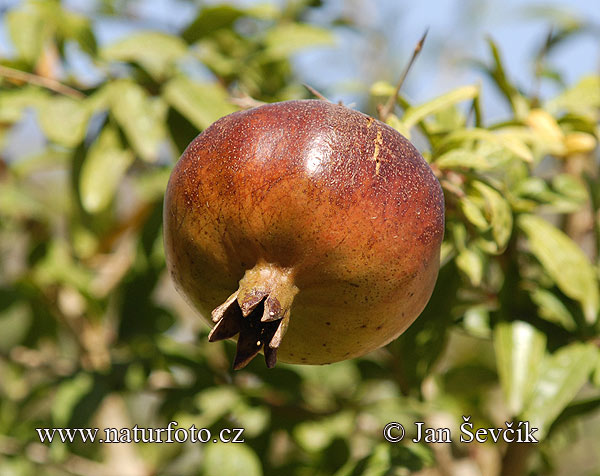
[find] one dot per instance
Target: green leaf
(382, 88)
(155, 52)
(379, 462)
(456, 158)
(564, 261)
(498, 74)
(103, 169)
(471, 263)
(215, 402)
(583, 98)
(414, 115)
(15, 322)
(499, 212)
(142, 118)
(200, 103)
(570, 187)
(511, 142)
(68, 396)
(316, 435)
(211, 19)
(14, 102)
(519, 351)
(552, 309)
(28, 31)
(561, 377)
(473, 213)
(231, 460)
(288, 38)
(78, 28)
(64, 120)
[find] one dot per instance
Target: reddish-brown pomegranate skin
(338, 203)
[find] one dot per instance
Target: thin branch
(389, 105)
(539, 65)
(53, 85)
(315, 93)
(246, 102)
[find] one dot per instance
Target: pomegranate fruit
(310, 230)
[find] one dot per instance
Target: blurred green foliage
(93, 335)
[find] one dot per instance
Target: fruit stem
(258, 311)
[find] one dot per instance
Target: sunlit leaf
(102, 170)
(499, 212)
(414, 115)
(14, 102)
(550, 133)
(222, 459)
(552, 309)
(564, 261)
(69, 393)
(473, 213)
(471, 263)
(28, 30)
(140, 116)
(571, 188)
(316, 435)
(510, 91)
(509, 141)
(77, 27)
(64, 120)
(155, 52)
(456, 158)
(519, 354)
(382, 88)
(562, 375)
(285, 39)
(14, 325)
(211, 19)
(583, 98)
(200, 103)
(580, 143)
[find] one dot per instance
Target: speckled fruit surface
(311, 231)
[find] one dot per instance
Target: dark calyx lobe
(256, 328)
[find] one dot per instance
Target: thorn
(386, 110)
(315, 93)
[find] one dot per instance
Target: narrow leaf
(552, 309)
(286, 39)
(519, 351)
(230, 460)
(142, 118)
(583, 98)
(103, 170)
(64, 120)
(155, 52)
(473, 213)
(414, 115)
(561, 377)
(27, 30)
(499, 212)
(200, 103)
(14, 102)
(564, 261)
(508, 141)
(470, 263)
(462, 158)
